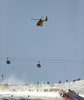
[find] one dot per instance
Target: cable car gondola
(8, 62)
(39, 65)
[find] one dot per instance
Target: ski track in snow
(35, 92)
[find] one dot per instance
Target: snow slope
(78, 86)
(28, 92)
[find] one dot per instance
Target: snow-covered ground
(28, 92)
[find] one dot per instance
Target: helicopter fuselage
(40, 22)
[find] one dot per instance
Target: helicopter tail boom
(46, 19)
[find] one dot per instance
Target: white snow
(37, 91)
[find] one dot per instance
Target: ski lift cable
(42, 60)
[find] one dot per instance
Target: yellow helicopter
(40, 22)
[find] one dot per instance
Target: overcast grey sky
(61, 38)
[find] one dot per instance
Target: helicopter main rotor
(37, 19)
